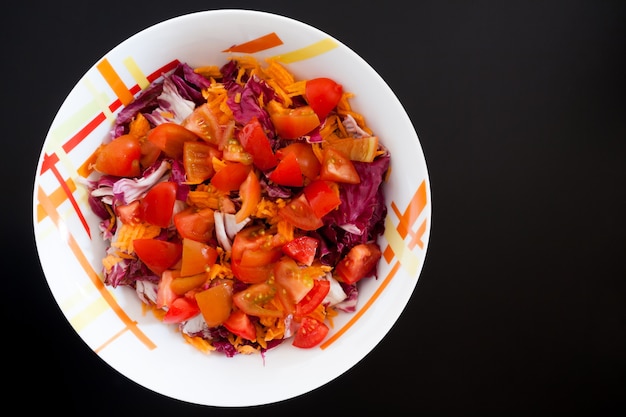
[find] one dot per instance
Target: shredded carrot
(139, 126)
(278, 73)
(199, 343)
(209, 71)
(128, 233)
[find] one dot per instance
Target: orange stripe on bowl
(413, 210)
(131, 325)
(256, 45)
(115, 82)
(365, 307)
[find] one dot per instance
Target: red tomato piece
(288, 172)
(322, 197)
(196, 257)
(215, 304)
(292, 123)
(253, 253)
(289, 278)
(169, 137)
(205, 125)
(251, 274)
(322, 94)
(198, 161)
(360, 261)
(313, 298)
(158, 255)
(338, 167)
(131, 213)
(301, 249)
(250, 194)
(165, 294)
(299, 213)
(239, 323)
(309, 164)
(120, 157)
(158, 203)
(254, 141)
(149, 153)
(231, 176)
(195, 224)
(310, 333)
(181, 309)
(251, 300)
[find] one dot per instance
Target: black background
(520, 109)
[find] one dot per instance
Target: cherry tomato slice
(170, 137)
(252, 299)
(215, 304)
(120, 157)
(323, 95)
(158, 203)
(338, 167)
(299, 213)
(313, 298)
(254, 141)
(292, 123)
(360, 261)
(198, 161)
(309, 164)
(196, 224)
(301, 249)
(181, 309)
(158, 255)
(230, 177)
(322, 197)
(288, 172)
(239, 323)
(310, 334)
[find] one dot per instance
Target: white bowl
(111, 321)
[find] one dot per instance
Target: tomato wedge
(181, 309)
(358, 263)
(131, 213)
(181, 285)
(250, 194)
(215, 304)
(204, 124)
(254, 141)
(198, 161)
(292, 123)
(158, 255)
(288, 172)
(170, 137)
(322, 198)
(301, 249)
(230, 177)
(299, 213)
(310, 333)
(313, 298)
(289, 278)
(158, 203)
(252, 299)
(338, 167)
(239, 323)
(120, 157)
(196, 224)
(323, 95)
(309, 164)
(197, 257)
(357, 149)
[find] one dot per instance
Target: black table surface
(520, 109)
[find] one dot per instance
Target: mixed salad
(241, 204)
